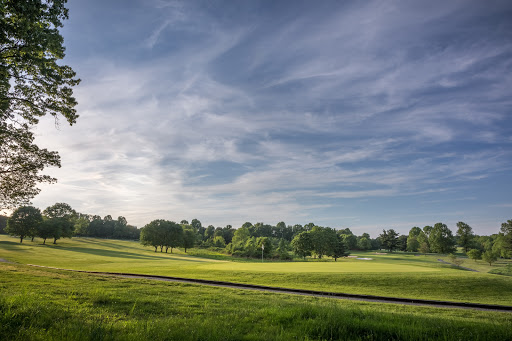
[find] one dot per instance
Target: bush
(475, 254)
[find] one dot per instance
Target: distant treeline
(251, 240)
(62, 221)
(87, 225)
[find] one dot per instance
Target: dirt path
(314, 293)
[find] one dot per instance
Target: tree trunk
(44, 241)
(185, 250)
(171, 249)
(54, 240)
(156, 248)
(21, 239)
(161, 248)
(166, 248)
(32, 238)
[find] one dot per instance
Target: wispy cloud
(271, 114)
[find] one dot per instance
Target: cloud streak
(290, 114)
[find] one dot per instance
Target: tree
(350, 240)
(227, 233)
(24, 222)
(250, 249)
(189, 238)
(441, 239)
(427, 230)
(506, 229)
(198, 227)
(282, 249)
(402, 242)
(151, 234)
(108, 227)
(489, 257)
(501, 245)
(172, 235)
(81, 226)
(240, 238)
(320, 237)
(302, 244)
(162, 233)
(209, 233)
(338, 248)
(364, 243)
(61, 216)
(219, 241)
(412, 244)
(423, 239)
(45, 230)
(389, 239)
(474, 254)
(32, 85)
(3, 223)
(414, 232)
(424, 248)
(267, 244)
(465, 235)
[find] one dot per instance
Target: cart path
(303, 292)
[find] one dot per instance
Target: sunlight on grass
(396, 274)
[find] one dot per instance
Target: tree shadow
(11, 244)
(122, 254)
(101, 242)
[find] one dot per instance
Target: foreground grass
(399, 275)
(44, 304)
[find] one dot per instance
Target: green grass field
(399, 275)
(48, 304)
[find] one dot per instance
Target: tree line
(278, 241)
(62, 221)
(440, 239)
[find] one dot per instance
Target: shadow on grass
(129, 255)
(102, 242)
(10, 244)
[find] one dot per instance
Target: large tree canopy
(32, 85)
(24, 222)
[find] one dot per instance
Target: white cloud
(363, 104)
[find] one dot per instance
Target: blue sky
(359, 114)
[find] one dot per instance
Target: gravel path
(314, 293)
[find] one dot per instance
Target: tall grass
(42, 304)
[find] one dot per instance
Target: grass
(400, 275)
(505, 271)
(46, 304)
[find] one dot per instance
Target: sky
(369, 115)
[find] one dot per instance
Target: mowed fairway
(129, 256)
(396, 275)
(342, 266)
